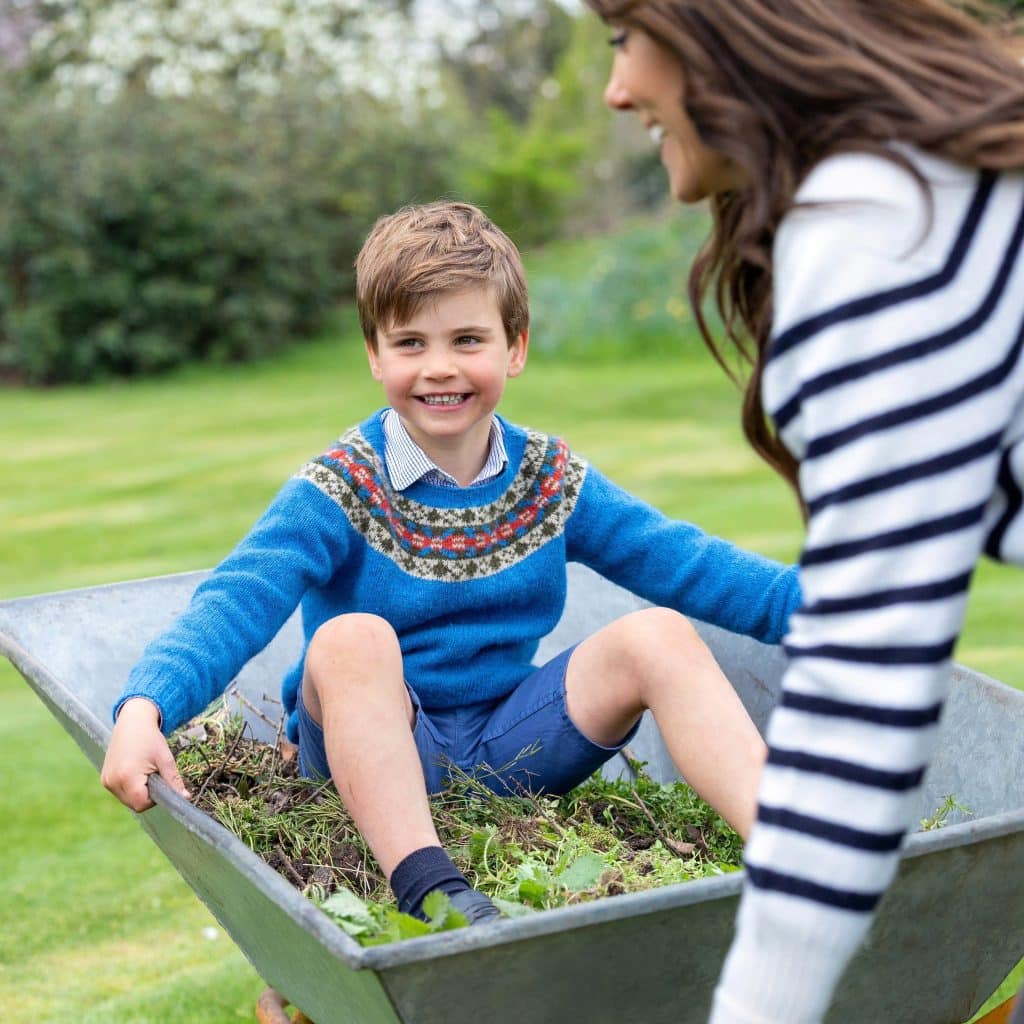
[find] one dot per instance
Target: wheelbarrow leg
(1004, 1014)
(1018, 1016)
(271, 1009)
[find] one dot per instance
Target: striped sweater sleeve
(895, 378)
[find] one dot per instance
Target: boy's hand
(137, 749)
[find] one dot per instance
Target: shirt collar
(406, 462)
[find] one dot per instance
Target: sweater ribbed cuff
(785, 960)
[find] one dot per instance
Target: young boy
(428, 549)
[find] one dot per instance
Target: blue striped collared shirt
(406, 462)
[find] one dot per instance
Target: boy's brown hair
(422, 252)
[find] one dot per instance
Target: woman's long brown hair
(777, 85)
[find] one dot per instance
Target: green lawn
(112, 482)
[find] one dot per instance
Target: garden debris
(526, 852)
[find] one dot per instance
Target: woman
(863, 161)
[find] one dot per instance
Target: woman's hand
(137, 749)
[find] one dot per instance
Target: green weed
(937, 819)
(604, 838)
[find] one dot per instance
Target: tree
(501, 53)
(181, 47)
(19, 20)
(531, 176)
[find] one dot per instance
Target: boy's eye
(467, 339)
(408, 342)
(618, 38)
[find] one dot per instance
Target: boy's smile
(444, 373)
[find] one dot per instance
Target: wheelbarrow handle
(271, 1009)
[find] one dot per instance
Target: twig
(543, 815)
(311, 795)
(632, 763)
(242, 699)
(484, 770)
(275, 751)
(681, 850)
(215, 774)
(286, 863)
(202, 754)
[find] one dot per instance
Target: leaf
(532, 892)
(408, 927)
(582, 873)
(454, 920)
(397, 926)
(510, 908)
(442, 916)
(531, 871)
(682, 849)
(479, 842)
(347, 910)
(437, 906)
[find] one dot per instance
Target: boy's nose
(440, 367)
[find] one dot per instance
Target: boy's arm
(298, 543)
(675, 564)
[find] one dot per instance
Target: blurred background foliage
(181, 182)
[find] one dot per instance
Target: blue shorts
(523, 742)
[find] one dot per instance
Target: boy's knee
(655, 629)
(358, 635)
(641, 643)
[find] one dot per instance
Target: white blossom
(178, 47)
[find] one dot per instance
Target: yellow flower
(677, 309)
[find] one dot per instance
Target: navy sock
(420, 873)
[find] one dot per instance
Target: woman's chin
(687, 190)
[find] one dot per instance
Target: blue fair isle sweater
(469, 578)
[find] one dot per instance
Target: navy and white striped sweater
(895, 377)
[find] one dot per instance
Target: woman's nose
(615, 94)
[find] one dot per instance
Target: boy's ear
(371, 355)
(517, 353)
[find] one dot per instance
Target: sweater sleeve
(298, 543)
(675, 564)
(887, 379)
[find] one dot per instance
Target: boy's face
(444, 371)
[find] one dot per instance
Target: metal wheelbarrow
(947, 933)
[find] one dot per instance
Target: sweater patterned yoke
(451, 544)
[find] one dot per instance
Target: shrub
(535, 177)
(622, 295)
(144, 233)
(522, 180)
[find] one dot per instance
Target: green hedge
(141, 234)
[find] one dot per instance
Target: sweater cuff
(161, 710)
(785, 961)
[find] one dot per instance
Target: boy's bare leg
(655, 659)
(354, 688)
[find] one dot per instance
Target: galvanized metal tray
(947, 933)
